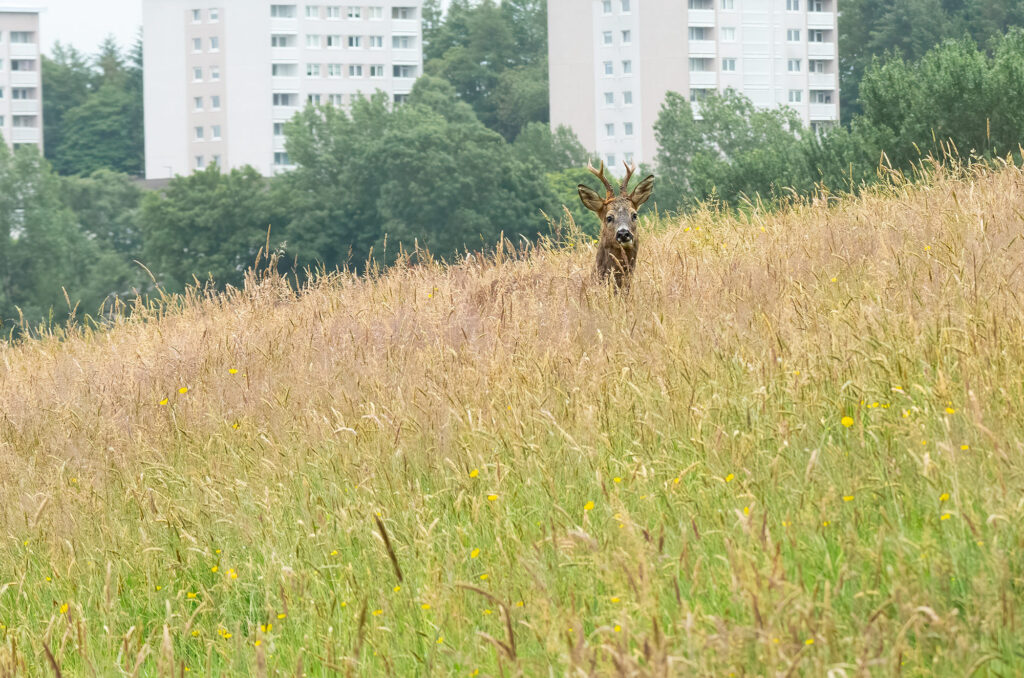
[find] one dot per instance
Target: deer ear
(642, 191)
(591, 200)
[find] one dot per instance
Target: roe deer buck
(617, 247)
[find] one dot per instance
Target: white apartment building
(223, 76)
(612, 62)
(21, 84)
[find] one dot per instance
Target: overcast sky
(84, 23)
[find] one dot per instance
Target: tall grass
(796, 447)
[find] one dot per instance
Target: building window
(627, 98)
(728, 34)
(284, 70)
(197, 75)
(698, 33)
(333, 42)
(214, 15)
(286, 99)
(215, 102)
(376, 42)
(606, 6)
(820, 96)
(609, 129)
(795, 96)
(625, 7)
(402, 42)
(403, 12)
(606, 37)
(816, 6)
(335, 100)
(700, 4)
(816, 66)
(627, 37)
(199, 133)
(24, 121)
(375, 12)
(312, 11)
(793, 35)
(312, 70)
(197, 16)
(216, 160)
(627, 67)
(278, 129)
(400, 98)
(215, 132)
(23, 37)
(628, 157)
(313, 99)
(333, 11)
(355, 71)
(609, 69)
(282, 41)
(214, 72)
(698, 95)
(793, 65)
(404, 71)
(199, 103)
(282, 11)
(627, 129)
(333, 70)
(611, 159)
(197, 44)
(698, 65)
(728, 4)
(23, 93)
(1, 92)
(817, 36)
(215, 44)
(792, 5)
(314, 41)
(355, 41)
(609, 98)
(199, 162)
(728, 65)
(22, 64)
(377, 71)
(355, 12)
(281, 159)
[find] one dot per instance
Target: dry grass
(654, 484)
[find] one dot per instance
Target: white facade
(222, 77)
(613, 61)
(21, 84)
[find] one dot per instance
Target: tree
(207, 225)
(538, 147)
(66, 78)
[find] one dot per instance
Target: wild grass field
(796, 447)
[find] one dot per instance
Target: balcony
(702, 48)
(24, 49)
(26, 135)
(703, 78)
(284, 24)
(821, 50)
(284, 54)
(700, 17)
(25, 107)
(283, 113)
(821, 20)
(821, 80)
(279, 84)
(824, 112)
(24, 78)
(408, 26)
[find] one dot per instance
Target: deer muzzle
(624, 236)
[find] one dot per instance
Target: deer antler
(604, 180)
(629, 174)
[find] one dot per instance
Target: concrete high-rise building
(222, 77)
(612, 62)
(21, 84)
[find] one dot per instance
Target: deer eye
(635, 216)
(610, 219)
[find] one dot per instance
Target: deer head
(618, 213)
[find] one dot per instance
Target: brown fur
(618, 215)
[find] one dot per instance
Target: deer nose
(624, 235)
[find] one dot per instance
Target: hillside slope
(795, 446)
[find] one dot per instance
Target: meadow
(796, 447)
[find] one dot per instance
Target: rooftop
(20, 10)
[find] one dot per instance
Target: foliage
(495, 56)
(208, 224)
(93, 112)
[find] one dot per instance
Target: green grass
(573, 482)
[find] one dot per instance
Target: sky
(84, 23)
